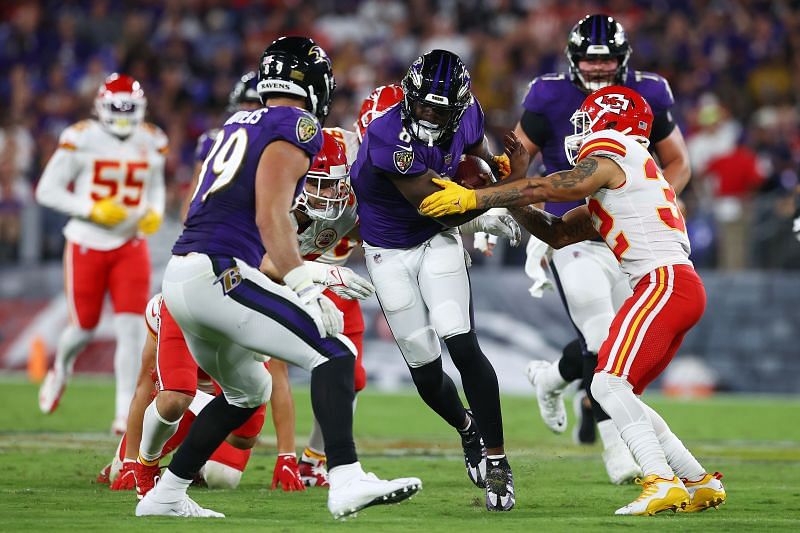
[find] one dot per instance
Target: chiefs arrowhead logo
(403, 160)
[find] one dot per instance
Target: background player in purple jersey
(229, 311)
(589, 279)
(417, 263)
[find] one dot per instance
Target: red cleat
(313, 474)
(146, 478)
(103, 476)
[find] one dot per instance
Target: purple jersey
(204, 144)
(556, 98)
(222, 215)
(387, 219)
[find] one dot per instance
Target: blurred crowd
(734, 67)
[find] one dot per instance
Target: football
(473, 172)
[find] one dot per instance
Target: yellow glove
(150, 222)
(107, 212)
(452, 199)
(503, 165)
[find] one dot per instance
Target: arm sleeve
(53, 188)
(536, 127)
(662, 126)
(156, 190)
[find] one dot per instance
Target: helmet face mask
(120, 105)
(327, 187)
(436, 92)
(597, 38)
(299, 68)
(614, 107)
(245, 93)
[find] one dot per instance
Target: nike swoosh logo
(407, 148)
(291, 472)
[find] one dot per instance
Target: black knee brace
(570, 366)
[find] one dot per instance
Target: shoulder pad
(608, 143)
(655, 89)
(544, 89)
(71, 138)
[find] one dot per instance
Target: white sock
(609, 434)
(615, 396)
(155, 433)
(646, 449)
(170, 488)
(342, 474)
(130, 331)
(679, 458)
(72, 340)
(552, 379)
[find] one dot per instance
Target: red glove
(125, 479)
(286, 473)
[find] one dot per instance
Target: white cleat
(551, 402)
(366, 490)
(620, 464)
(184, 507)
(51, 390)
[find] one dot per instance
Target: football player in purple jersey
(590, 282)
(230, 312)
(417, 263)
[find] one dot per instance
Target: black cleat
(474, 453)
(499, 485)
(585, 431)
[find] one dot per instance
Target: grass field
(48, 465)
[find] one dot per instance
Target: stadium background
(734, 67)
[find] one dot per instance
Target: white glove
(501, 226)
(484, 242)
(341, 280)
(535, 251)
(329, 320)
(796, 228)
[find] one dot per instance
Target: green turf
(48, 464)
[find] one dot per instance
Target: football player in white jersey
(108, 176)
(633, 208)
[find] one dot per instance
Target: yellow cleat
(705, 492)
(658, 494)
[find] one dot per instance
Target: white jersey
(91, 164)
(639, 220)
(325, 240)
(317, 238)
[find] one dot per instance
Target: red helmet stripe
(602, 145)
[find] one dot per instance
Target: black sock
(332, 395)
(480, 386)
(589, 364)
(438, 391)
(570, 366)
(209, 429)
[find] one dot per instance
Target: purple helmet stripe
(435, 81)
(603, 36)
(594, 30)
(447, 80)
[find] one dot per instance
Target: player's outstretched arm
(585, 178)
(574, 226)
(281, 165)
(141, 398)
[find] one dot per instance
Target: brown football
(473, 172)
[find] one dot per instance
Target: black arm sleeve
(662, 126)
(536, 127)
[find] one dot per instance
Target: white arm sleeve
(52, 190)
(156, 189)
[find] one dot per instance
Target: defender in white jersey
(108, 176)
(632, 207)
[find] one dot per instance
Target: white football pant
(232, 315)
(424, 292)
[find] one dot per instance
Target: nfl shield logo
(403, 160)
(377, 258)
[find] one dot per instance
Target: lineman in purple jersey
(588, 276)
(230, 312)
(417, 264)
